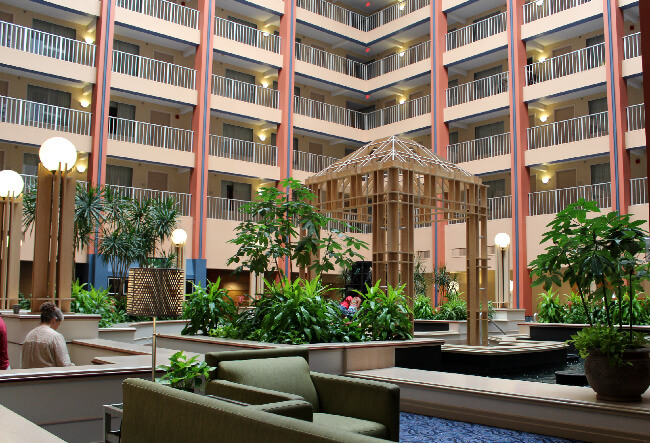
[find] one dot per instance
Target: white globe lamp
(11, 184)
(502, 240)
(179, 237)
(58, 153)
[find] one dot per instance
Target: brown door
(163, 57)
(4, 88)
(319, 111)
(316, 148)
(561, 51)
(6, 16)
(566, 182)
(159, 135)
(563, 131)
(157, 180)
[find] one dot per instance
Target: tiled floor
(419, 429)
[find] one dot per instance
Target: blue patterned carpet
(420, 429)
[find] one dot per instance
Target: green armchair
(280, 379)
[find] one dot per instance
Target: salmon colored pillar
(101, 93)
(439, 129)
(619, 156)
(520, 174)
(201, 140)
(644, 12)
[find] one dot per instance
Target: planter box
(563, 331)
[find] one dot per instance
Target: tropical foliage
(384, 315)
(96, 301)
(208, 308)
(183, 373)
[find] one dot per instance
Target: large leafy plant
(422, 308)
(183, 373)
(550, 308)
(385, 315)
(208, 308)
(283, 228)
(599, 255)
(96, 301)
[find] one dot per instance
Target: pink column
(201, 129)
(439, 129)
(286, 82)
(619, 156)
(520, 174)
(644, 10)
(101, 93)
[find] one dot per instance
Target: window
(598, 118)
(125, 127)
(600, 173)
(119, 175)
(424, 254)
(483, 142)
(491, 86)
(240, 91)
(125, 63)
(240, 76)
(47, 114)
(129, 48)
(235, 190)
(496, 188)
(453, 138)
(30, 164)
(238, 132)
(52, 47)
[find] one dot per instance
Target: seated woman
(45, 347)
(349, 306)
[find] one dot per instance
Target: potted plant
(185, 374)
(598, 255)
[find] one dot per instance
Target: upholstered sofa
(282, 375)
(154, 413)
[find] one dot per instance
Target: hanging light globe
(58, 151)
(11, 184)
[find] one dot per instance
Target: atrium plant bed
(599, 256)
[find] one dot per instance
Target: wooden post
(42, 226)
(11, 212)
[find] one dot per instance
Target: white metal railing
(45, 44)
(143, 133)
(393, 12)
(226, 209)
(329, 113)
(246, 92)
(359, 21)
(155, 70)
(306, 161)
(537, 9)
(163, 10)
(182, 200)
(39, 115)
(243, 150)
(478, 89)
(29, 180)
(632, 45)
(639, 190)
(480, 148)
(568, 131)
(396, 61)
(581, 60)
(636, 117)
(497, 208)
(403, 111)
(555, 200)
(477, 31)
(247, 35)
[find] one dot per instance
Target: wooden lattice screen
(394, 185)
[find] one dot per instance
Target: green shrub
(455, 308)
(550, 308)
(184, 374)
(96, 301)
(384, 315)
(422, 308)
(25, 301)
(207, 309)
(608, 340)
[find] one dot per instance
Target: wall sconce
(84, 103)
(402, 101)
(402, 6)
(265, 84)
(546, 179)
(81, 168)
(11, 188)
(90, 40)
(262, 136)
(543, 118)
(541, 59)
(401, 54)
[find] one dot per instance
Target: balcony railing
(393, 12)
(397, 61)
(306, 161)
(143, 133)
(362, 71)
(183, 201)
(636, 117)
(48, 45)
(537, 9)
(247, 35)
(39, 115)
(555, 200)
(477, 31)
(163, 10)
(29, 180)
(478, 89)
(563, 65)
(632, 46)
(568, 131)
(243, 150)
(154, 70)
(246, 92)
(639, 190)
(397, 113)
(359, 21)
(497, 208)
(480, 148)
(226, 209)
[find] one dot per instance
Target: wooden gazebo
(394, 185)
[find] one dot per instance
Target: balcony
(154, 70)
(579, 69)
(477, 90)
(569, 131)
(398, 113)
(476, 32)
(243, 150)
(246, 35)
(398, 61)
(226, 209)
(245, 92)
(635, 135)
(555, 200)
(393, 12)
(632, 63)
(48, 121)
(163, 10)
(148, 134)
(639, 191)
(535, 10)
(308, 162)
(498, 208)
(71, 53)
(479, 149)
(183, 201)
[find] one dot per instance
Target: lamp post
(11, 215)
(179, 238)
(502, 278)
(54, 224)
